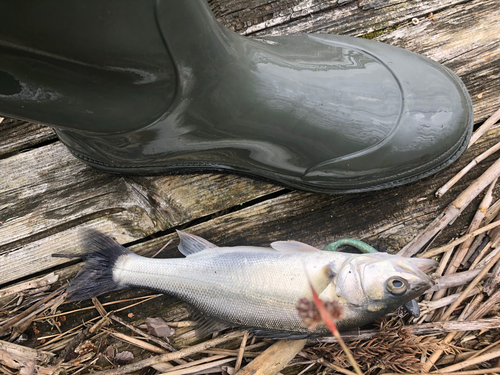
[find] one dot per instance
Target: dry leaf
(124, 357)
(158, 327)
(109, 352)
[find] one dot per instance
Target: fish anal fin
(292, 247)
(191, 244)
(206, 325)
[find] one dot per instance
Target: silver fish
(256, 287)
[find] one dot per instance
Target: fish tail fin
(100, 254)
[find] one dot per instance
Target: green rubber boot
(149, 86)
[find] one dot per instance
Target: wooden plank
(348, 17)
(16, 135)
(465, 38)
(316, 219)
(47, 191)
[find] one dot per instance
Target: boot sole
(200, 167)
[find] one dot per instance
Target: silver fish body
(259, 288)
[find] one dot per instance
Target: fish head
(380, 283)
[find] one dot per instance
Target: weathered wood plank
(16, 135)
(386, 219)
(466, 39)
(257, 17)
(46, 191)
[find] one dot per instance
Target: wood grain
(465, 38)
(17, 135)
(386, 219)
(46, 194)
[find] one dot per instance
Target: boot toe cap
(433, 129)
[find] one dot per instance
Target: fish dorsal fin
(191, 244)
(292, 247)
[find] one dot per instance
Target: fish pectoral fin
(191, 244)
(206, 325)
(292, 247)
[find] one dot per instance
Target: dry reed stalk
(464, 246)
(137, 342)
(241, 351)
(66, 333)
(456, 279)
(468, 314)
(485, 127)
(474, 225)
(127, 369)
(471, 286)
(198, 362)
(274, 358)
(491, 285)
(100, 309)
(228, 352)
(235, 351)
(142, 300)
(442, 249)
(199, 369)
(450, 359)
(184, 323)
(492, 212)
(342, 370)
(23, 351)
(480, 256)
(28, 311)
(486, 306)
(162, 343)
(435, 356)
(307, 368)
(479, 352)
(453, 210)
(32, 284)
(428, 306)
(421, 329)
(465, 315)
(470, 362)
(439, 272)
(466, 169)
(60, 336)
(162, 248)
(472, 372)
(198, 366)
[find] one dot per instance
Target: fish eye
(397, 286)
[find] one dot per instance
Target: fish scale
(208, 282)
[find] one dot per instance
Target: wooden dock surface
(46, 194)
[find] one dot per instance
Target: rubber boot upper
(317, 112)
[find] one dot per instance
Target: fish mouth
(419, 268)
